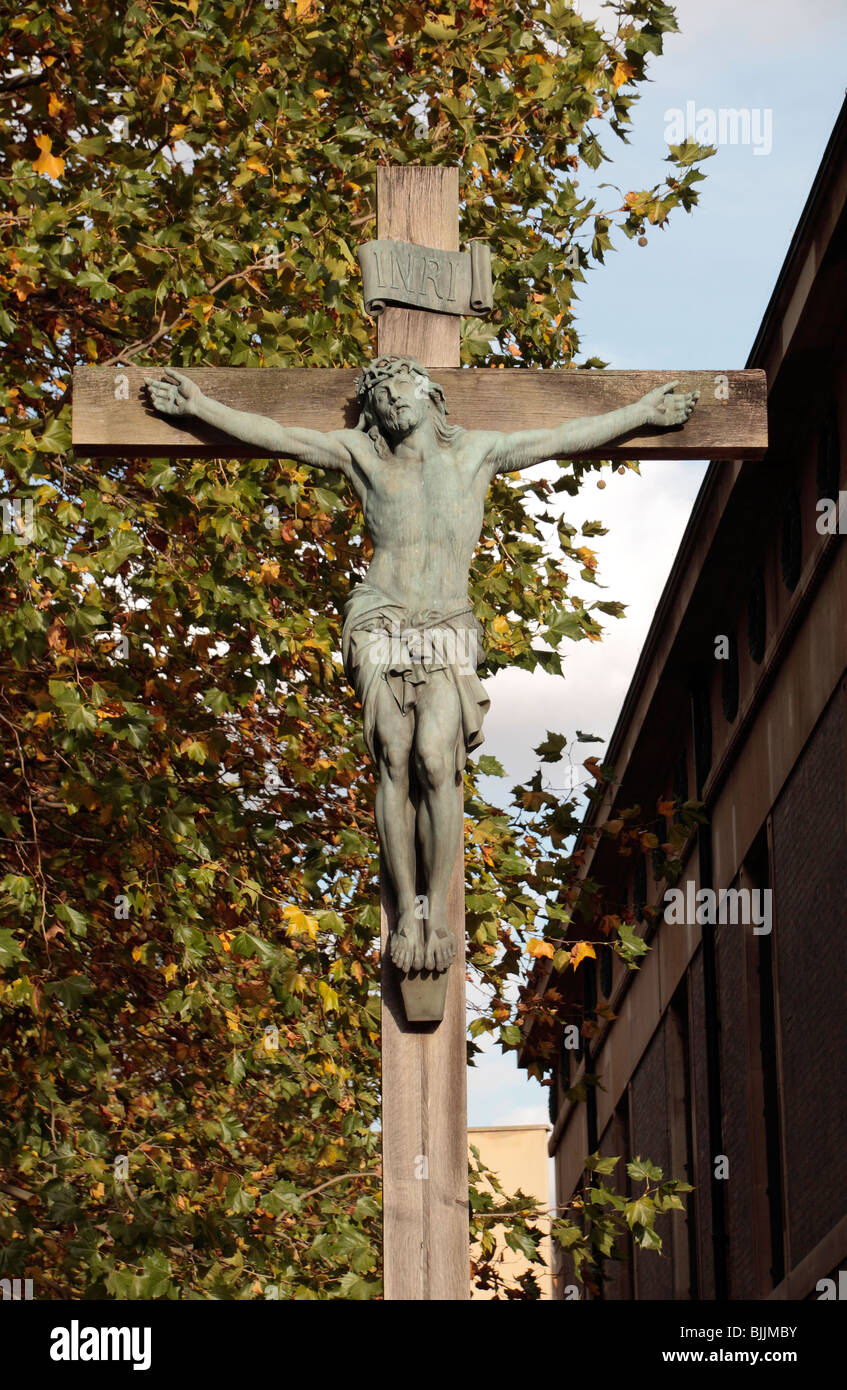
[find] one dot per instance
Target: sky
(693, 298)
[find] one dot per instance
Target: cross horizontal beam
(112, 419)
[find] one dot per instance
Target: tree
(190, 1030)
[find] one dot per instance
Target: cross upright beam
(424, 1065)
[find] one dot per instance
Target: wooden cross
(424, 1110)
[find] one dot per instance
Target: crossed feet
(422, 944)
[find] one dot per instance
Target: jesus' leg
(395, 819)
(439, 812)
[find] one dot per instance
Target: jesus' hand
(663, 409)
(176, 395)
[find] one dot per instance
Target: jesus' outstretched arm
(523, 448)
(177, 394)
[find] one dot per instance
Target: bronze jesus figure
(410, 641)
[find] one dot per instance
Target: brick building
(732, 1041)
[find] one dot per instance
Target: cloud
(646, 517)
(500, 1094)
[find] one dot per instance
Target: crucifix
(410, 642)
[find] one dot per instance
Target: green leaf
(161, 475)
(10, 949)
(71, 990)
(564, 622)
(551, 750)
(595, 1164)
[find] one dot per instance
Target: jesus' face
(402, 402)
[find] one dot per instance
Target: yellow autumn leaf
(580, 951)
(501, 625)
(169, 972)
(540, 948)
(51, 165)
(295, 918)
(622, 73)
(299, 924)
(329, 997)
(255, 163)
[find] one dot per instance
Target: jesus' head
(396, 394)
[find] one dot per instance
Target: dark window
(758, 866)
(639, 885)
(606, 963)
(729, 679)
(770, 1082)
(701, 713)
(829, 458)
(680, 776)
(679, 1051)
(658, 854)
(589, 987)
(757, 617)
(791, 550)
(680, 781)
(553, 1099)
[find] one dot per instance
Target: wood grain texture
(424, 1127)
(420, 204)
(478, 398)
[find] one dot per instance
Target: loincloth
(381, 641)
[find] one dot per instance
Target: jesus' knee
(434, 764)
(394, 765)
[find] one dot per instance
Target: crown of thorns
(384, 367)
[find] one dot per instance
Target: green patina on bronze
(411, 642)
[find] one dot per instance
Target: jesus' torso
(424, 518)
